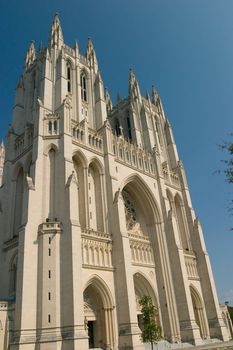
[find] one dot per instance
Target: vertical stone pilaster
(216, 324)
(188, 327)
(129, 332)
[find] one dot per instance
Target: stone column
(73, 304)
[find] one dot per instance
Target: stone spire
(30, 55)
(76, 48)
(155, 95)
(108, 100)
(56, 36)
(134, 91)
(91, 55)
(2, 158)
(157, 101)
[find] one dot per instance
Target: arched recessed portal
(142, 287)
(98, 313)
(140, 221)
(199, 313)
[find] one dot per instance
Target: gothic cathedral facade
(95, 212)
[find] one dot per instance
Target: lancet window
(180, 216)
(68, 76)
(117, 127)
(129, 127)
(83, 83)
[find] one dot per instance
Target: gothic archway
(95, 194)
(141, 214)
(142, 287)
(199, 312)
(98, 314)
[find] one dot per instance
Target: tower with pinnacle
(95, 212)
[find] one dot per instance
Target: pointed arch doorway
(199, 313)
(142, 287)
(98, 314)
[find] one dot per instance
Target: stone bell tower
(95, 212)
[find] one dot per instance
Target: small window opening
(50, 127)
(55, 126)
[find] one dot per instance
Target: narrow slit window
(129, 127)
(50, 127)
(68, 73)
(83, 82)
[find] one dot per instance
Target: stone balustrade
(141, 249)
(191, 266)
(51, 125)
(132, 155)
(50, 226)
(87, 136)
(96, 249)
(24, 141)
(170, 176)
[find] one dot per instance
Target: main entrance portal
(98, 317)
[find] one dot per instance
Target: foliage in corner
(151, 331)
(228, 166)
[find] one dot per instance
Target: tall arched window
(83, 82)
(181, 223)
(129, 126)
(52, 171)
(68, 76)
(33, 86)
(95, 198)
(117, 127)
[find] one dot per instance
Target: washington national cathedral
(95, 212)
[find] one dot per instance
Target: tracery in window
(130, 212)
(83, 83)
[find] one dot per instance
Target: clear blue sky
(184, 47)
